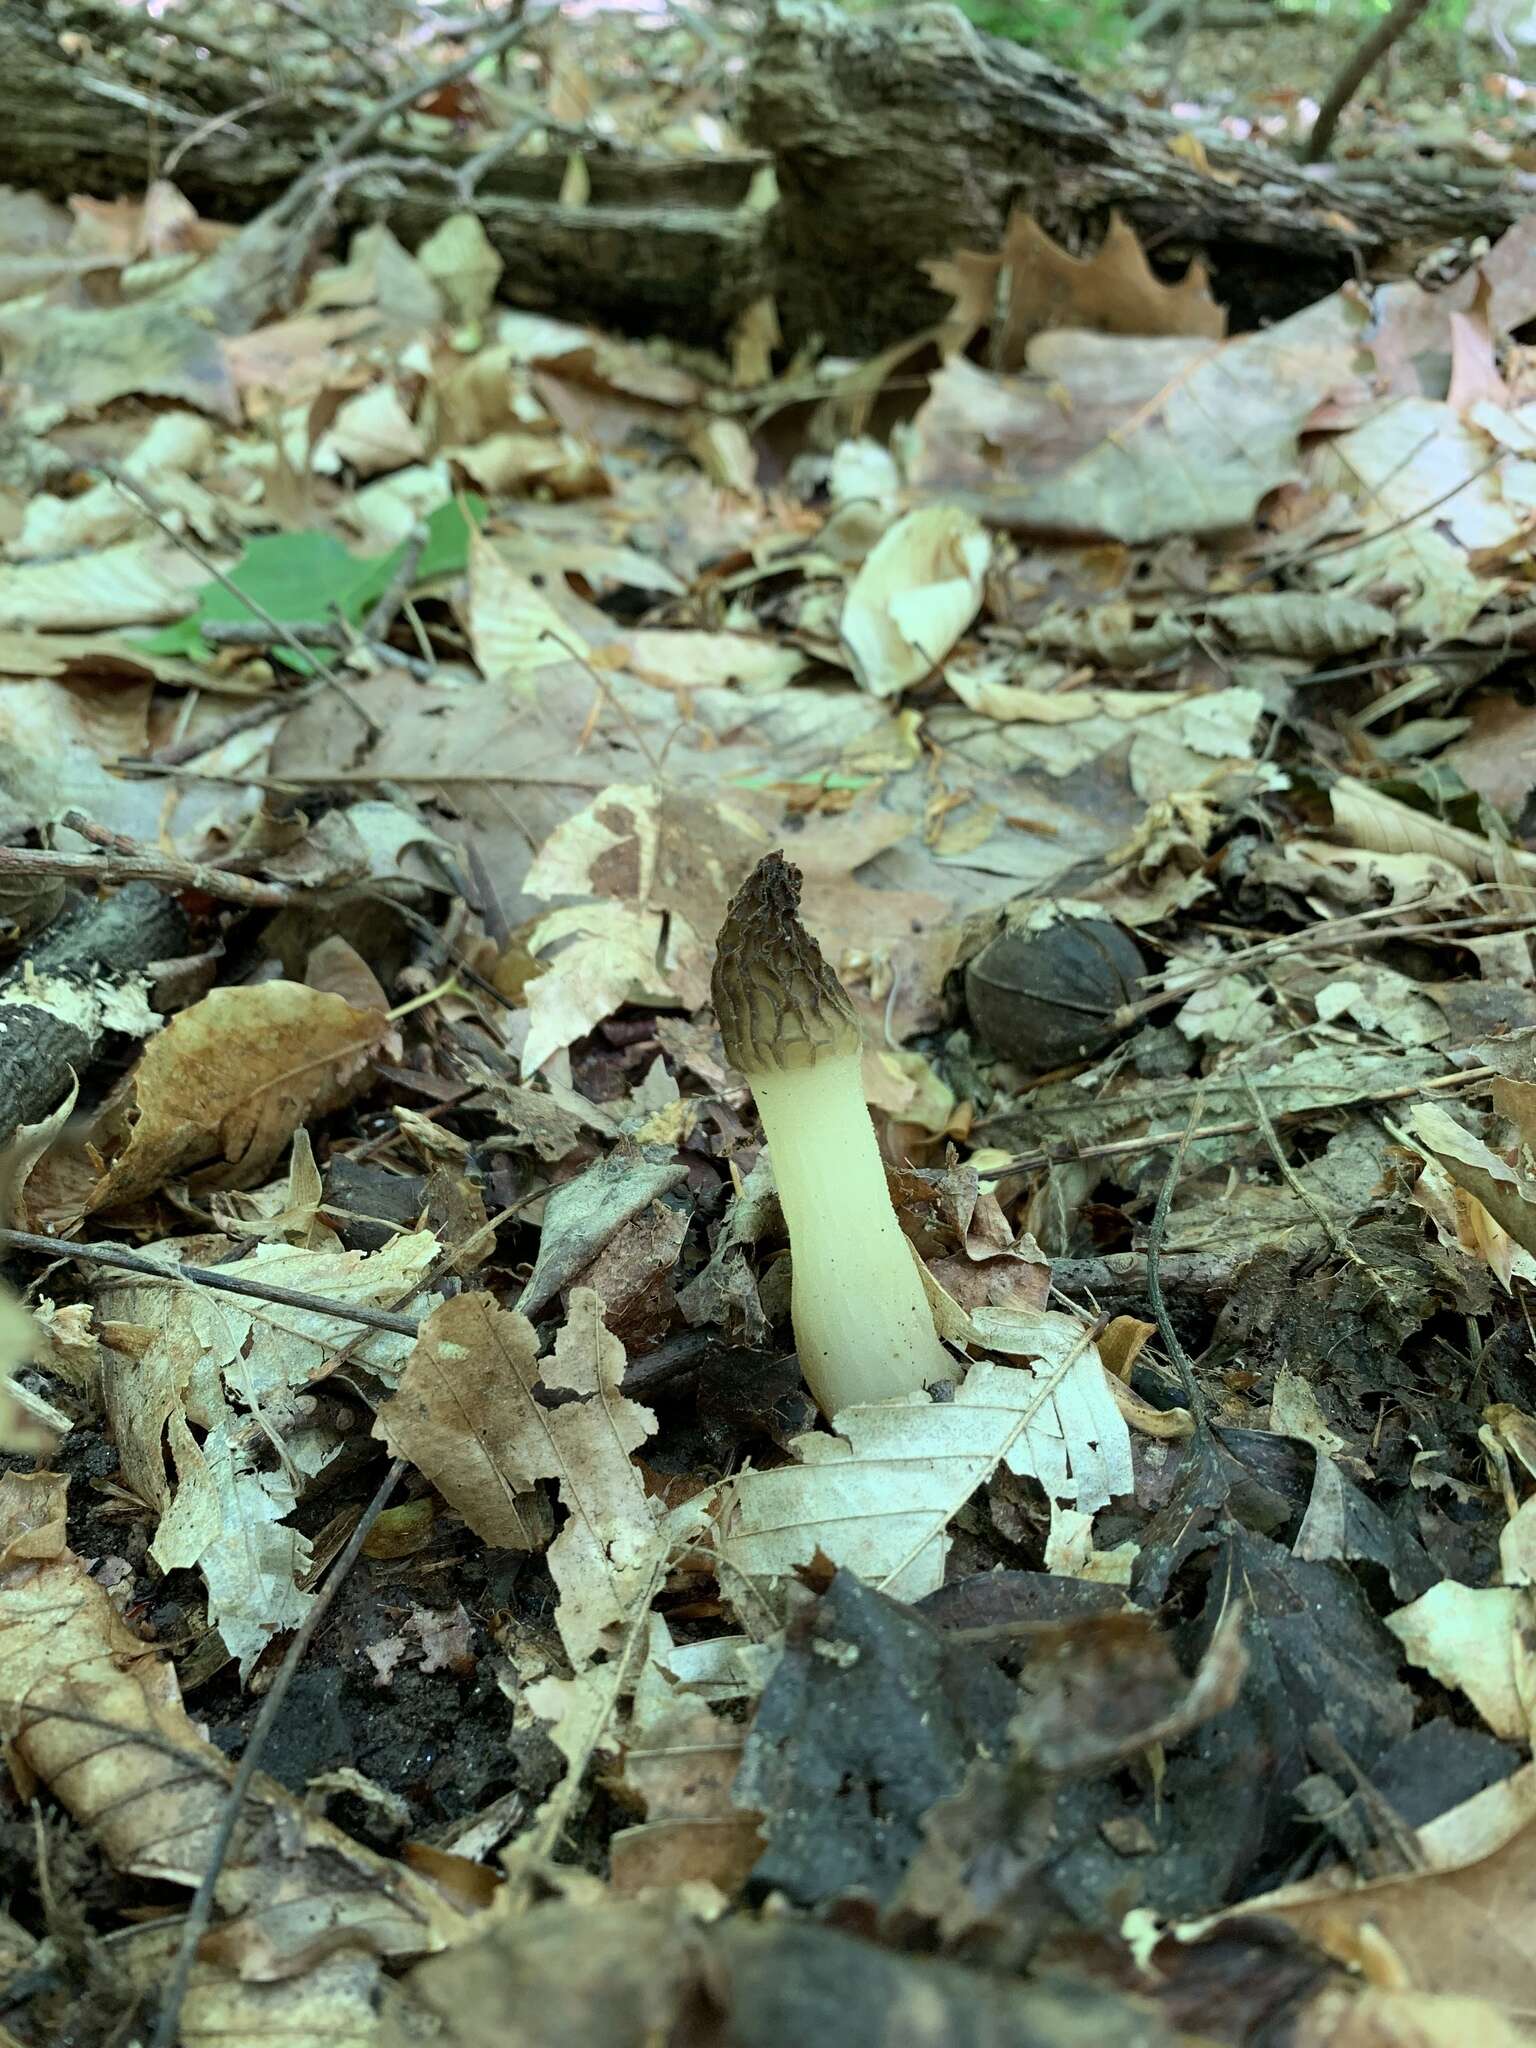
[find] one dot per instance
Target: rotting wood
(110, 936)
(895, 137)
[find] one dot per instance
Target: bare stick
(141, 865)
(382, 617)
(358, 52)
(1194, 1398)
(367, 126)
(200, 1912)
(182, 751)
(1360, 64)
(209, 1276)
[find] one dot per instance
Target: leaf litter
(448, 666)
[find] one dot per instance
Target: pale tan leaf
(226, 1521)
(919, 588)
(1476, 1639)
(1378, 823)
(228, 1082)
(186, 1337)
(96, 1715)
(1129, 437)
(134, 583)
(877, 1497)
(459, 259)
(464, 1403)
(605, 1556)
(515, 628)
(1504, 1193)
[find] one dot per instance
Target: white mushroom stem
(863, 1327)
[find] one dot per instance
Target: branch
(1367, 55)
(209, 1276)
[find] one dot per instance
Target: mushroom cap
(779, 1005)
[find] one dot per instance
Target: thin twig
(231, 119)
(382, 617)
(200, 1911)
(1357, 67)
(134, 490)
(1305, 557)
(291, 632)
(367, 126)
(1066, 1153)
(338, 37)
(142, 865)
(1194, 1399)
(179, 752)
(1326, 1220)
(209, 1276)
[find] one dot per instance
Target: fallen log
(901, 136)
(663, 245)
(895, 137)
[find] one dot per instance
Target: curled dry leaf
(1507, 1195)
(226, 1084)
(919, 588)
(468, 1416)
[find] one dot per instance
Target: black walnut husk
(1047, 997)
(778, 1004)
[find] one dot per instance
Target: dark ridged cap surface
(778, 1003)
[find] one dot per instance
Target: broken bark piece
(55, 1005)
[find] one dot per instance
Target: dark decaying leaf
(625, 1976)
(869, 1719)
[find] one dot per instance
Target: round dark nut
(1045, 992)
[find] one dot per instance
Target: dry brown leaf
(464, 1402)
(96, 1715)
(681, 1766)
(1457, 1927)
(227, 1083)
(1112, 291)
(468, 1414)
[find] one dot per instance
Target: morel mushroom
(862, 1323)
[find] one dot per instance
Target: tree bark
(101, 938)
(663, 246)
(908, 135)
(895, 137)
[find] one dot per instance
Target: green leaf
(817, 780)
(310, 579)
